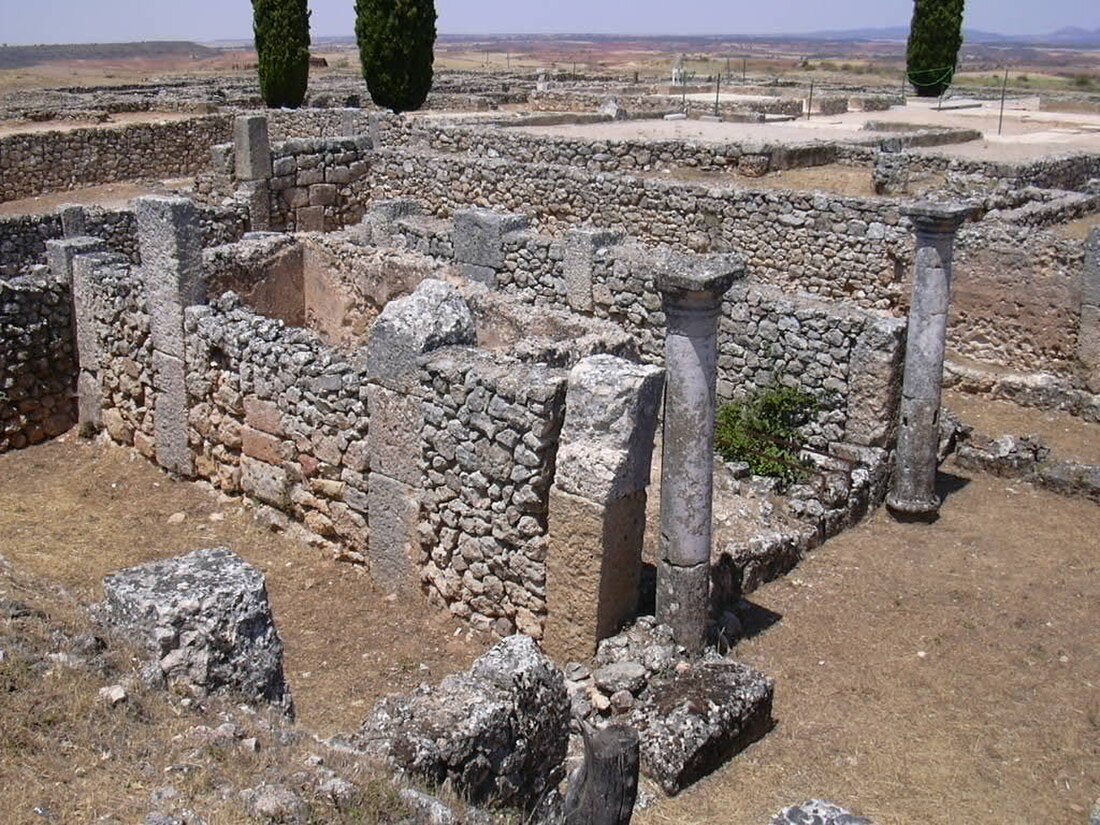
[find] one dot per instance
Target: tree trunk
(603, 789)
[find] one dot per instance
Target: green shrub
(282, 46)
(396, 49)
(763, 431)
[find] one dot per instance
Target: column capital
(685, 277)
(931, 218)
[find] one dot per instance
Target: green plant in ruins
(281, 28)
(763, 431)
(935, 37)
(396, 49)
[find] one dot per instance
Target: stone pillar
(691, 290)
(379, 219)
(479, 242)
(73, 220)
(580, 252)
(598, 503)
(171, 261)
(81, 262)
(433, 316)
(913, 492)
(1088, 351)
(251, 148)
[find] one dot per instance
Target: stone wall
(489, 442)
(313, 182)
(35, 163)
(37, 361)
(581, 101)
(23, 239)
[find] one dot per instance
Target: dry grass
(67, 756)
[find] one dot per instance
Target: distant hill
(1071, 36)
(18, 57)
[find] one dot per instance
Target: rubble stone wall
(35, 163)
(37, 361)
(313, 183)
(489, 443)
(23, 239)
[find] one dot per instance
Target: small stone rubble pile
(817, 812)
(692, 715)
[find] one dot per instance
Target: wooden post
(717, 92)
(603, 789)
(1004, 91)
(810, 103)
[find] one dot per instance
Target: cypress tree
(282, 45)
(396, 50)
(935, 37)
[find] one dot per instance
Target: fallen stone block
(817, 812)
(206, 621)
(692, 722)
(498, 733)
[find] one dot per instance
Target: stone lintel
(930, 218)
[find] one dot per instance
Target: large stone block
(691, 723)
(380, 218)
(874, 384)
(89, 403)
(610, 420)
(393, 446)
(393, 515)
(497, 734)
(310, 219)
(251, 148)
(257, 195)
(593, 570)
(434, 316)
(170, 415)
(85, 272)
(266, 482)
(580, 250)
(206, 621)
(479, 236)
(61, 255)
(171, 259)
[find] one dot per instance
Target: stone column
(1088, 346)
(171, 261)
(913, 493)
(691, 290)
(598, 502)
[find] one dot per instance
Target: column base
(683, 602)
(913, 509)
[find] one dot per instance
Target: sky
(87, 21)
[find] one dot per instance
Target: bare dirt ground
(1067, 436)
(936, 674)
(73, 511)
(119, 120)
(108, 196)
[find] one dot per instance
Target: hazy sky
(70, 21)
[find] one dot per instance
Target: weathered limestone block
(818, 812)
(581, 247)
(434, 316)
(593, 570)
(170, 415)
(74, 218)
(251, 148)
(479, 236)
(257, 195)
(691, 723)
(380, 218)
(394, 513)
(266, 482)
(393, 447)
(171, 259)
(75, 261)
(61, 254)
(310, 219)
(606, 445)
(206, 620)
(874, 386)
(498, 733)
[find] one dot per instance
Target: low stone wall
(23, 239)
(580, 101)
(39, 162)
(849, 359)
(37, 361)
